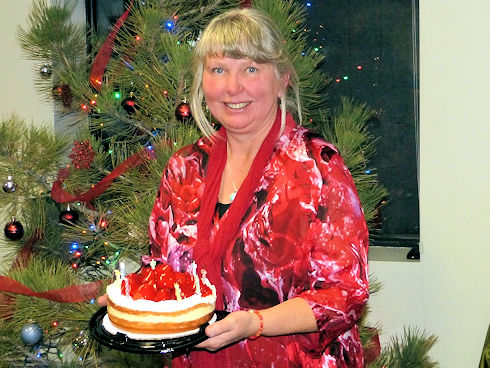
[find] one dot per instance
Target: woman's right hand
(102, 300)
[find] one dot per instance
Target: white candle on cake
(197, 285)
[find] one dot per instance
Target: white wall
(448, 291)
(17, 91)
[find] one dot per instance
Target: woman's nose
(233, 83)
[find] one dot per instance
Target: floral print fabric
(304, 235)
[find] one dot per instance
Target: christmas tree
(80, 204)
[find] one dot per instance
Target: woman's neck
(242, 148)
(240, 154)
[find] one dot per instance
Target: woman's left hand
(234, 327)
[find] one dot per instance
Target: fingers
(232, 328)
(102, 300)
(219, 334)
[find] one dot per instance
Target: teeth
(237, 105)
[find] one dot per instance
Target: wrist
(256, 314)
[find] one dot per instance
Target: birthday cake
(158, 300)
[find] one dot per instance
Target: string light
(128, 65)
(169, 25)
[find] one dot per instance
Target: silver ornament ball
(31, 334)
(9, 186)
(46, 71)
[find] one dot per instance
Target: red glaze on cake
(158, 300)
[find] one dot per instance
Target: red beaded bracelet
(261, 327)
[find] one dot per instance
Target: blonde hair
(243, 33)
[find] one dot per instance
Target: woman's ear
(284, 83)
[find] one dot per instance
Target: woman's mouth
(240, 105)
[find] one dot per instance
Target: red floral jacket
(304, 236)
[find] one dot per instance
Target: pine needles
(347, 130)
(409, 351)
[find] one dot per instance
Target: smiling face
(242, 94)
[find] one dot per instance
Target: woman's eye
(217, 70)
(251, 69)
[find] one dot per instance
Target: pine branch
(410, 350)
(32, 156)
(50, 35)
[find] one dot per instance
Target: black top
(222, 208)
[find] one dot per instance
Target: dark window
(371, 52)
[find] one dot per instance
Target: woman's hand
(234, 327)
(292, 316)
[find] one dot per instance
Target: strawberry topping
(159, 284)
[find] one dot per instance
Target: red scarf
(209, 256)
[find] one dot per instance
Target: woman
(267, 208)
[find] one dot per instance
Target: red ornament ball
(14, 230)
(69, 217)
(183, 112)
(129, 105)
